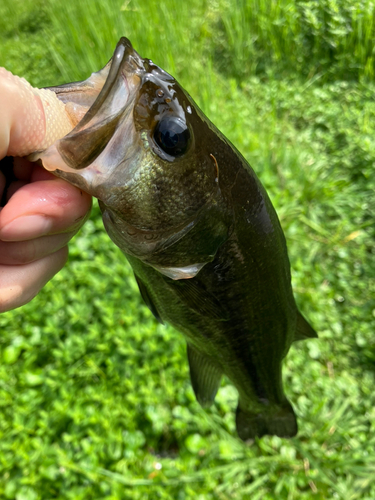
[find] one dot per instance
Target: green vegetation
(95, 400)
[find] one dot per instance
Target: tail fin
(281, 422)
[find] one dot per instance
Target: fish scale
(197, 227)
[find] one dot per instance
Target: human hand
(39, 213)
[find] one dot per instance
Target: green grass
(95, 400)
(323, 38)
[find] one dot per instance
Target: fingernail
(26, 228)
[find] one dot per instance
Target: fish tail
(280, 421)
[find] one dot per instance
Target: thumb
(31, 119)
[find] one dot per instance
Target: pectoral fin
(205, 376)
(197, 298)
(147, 299)
(304, 330)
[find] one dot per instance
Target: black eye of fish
(172, 135)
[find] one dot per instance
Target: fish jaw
(101, 107)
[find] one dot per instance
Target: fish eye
(172, 135)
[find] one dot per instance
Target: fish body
(197, 227)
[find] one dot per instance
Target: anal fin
(279, 420)
(205, 376)
(304, 330)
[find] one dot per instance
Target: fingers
(2, 184)
(41, 213)
(23, 169)
(31, 119)
(15, 253)
(35, 226)
(20, 284)
(41, 208)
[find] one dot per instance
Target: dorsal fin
(304, 330)
(205, 376)
(147, 299)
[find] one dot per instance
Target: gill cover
(133, 147)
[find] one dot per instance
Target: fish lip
(89, 138)
(85, 157)
(124, 55)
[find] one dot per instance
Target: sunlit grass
(95, 400)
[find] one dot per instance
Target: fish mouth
(105, 98)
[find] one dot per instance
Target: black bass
(196, 225)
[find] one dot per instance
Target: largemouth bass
(196, 225)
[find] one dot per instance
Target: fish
(196, 225)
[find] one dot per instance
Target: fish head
(144, 149)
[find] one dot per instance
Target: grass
(324, 38)
(95, 400)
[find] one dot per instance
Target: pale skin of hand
(42, 213)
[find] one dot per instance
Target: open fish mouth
(99, 108)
